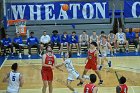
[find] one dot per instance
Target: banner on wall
(54, 11)
(132, 9)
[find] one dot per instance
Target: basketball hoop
(20, 25)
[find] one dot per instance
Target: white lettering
(18, 10)
(101, 9)
(74, 7)
(91, 11)
(32, 12)
(48, 12)
(62, 14)
(134, 9)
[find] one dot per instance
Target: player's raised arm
(57, 65)
(21, 80)
(5, 79)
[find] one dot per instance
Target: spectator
(112, 40)
(94, 37)
(64, 42)
(55, 39)
(44, 40)
(131, 37)
(121, 39)
(33, 42)
(17, 43)
(100, 36)
(73, 40)
(7, 43)
(83, 40)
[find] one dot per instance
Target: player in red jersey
(48, 64)
(91, 88)
(92, 61)
(122, 88)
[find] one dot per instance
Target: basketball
(65, 7)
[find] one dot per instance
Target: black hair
(54, 31)
(73, 32)
(111, 31)
(92, 78)
(65, 32)
(14, 66)
(44, 31)
(102, 32)
(122, 80)
(31, 32)
(84, 31)
(94, 43)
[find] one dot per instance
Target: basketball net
(20, 25)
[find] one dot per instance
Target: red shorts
(92, 66)
(47, 75)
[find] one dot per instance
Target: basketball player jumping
(72, 73)
(14, 79)
(90, 87)
(92, 61)
(48, 64)
(104, 47)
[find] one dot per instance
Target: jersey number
(87, 89)
(125, 90)
(13, 78)
(50, 63)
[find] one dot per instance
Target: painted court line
(133, 89)
(4, 62)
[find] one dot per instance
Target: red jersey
(89, 88)
(92, 58)
(124, 88)
(48, 61)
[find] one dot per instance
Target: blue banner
(54, 11)
(132, 9)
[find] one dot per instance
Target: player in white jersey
(94, 37)
(14, 79)
(104, 47)
(72, 73)
(121, 39)
(112, 40)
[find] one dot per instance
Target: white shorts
(11, 90)
(122, 41)
(72, 75)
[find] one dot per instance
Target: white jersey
(14, 82)
(45, 39)
(69, 65)
(93, 38)
(120, 36)
(72, 73)
(104, 48)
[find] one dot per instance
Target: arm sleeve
(70, 39)
(27, 41)
(49, 39)
(59, 40)
(10, 41)
(62, 39)
(37, 40)
(118, 89)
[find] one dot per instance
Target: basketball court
(127, 66)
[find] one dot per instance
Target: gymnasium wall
(89, 25)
